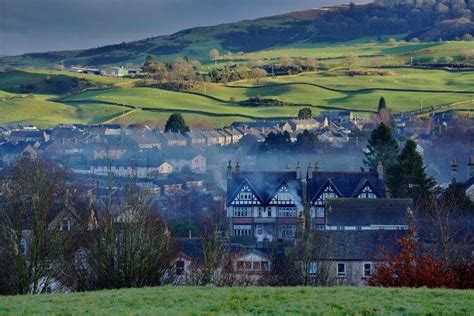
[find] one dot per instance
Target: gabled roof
(345, 183)
(366, 212)
(264, 184)
(190, 247)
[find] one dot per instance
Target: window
(287, 231)
(313, 268)
(320, 212)
(367, 269)
(259, 230)
(341, 269)
(286, 211)
(179, 267)
(65, 225)
(327, 194)
(240, 211)
(367, 194)
(242, 230)
(23, 246)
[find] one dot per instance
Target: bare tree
(34, 193)
(257, 74)
(129, 248)
(214, 54)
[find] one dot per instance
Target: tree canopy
(406, 177)
(305, 113)
(176, 124)
(382, 146)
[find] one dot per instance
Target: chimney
(298, 170)
(316, 166)
(229, 170)
(470, 167)
(310, 171)
(287, 166)
(366, 168)
(380, 170)
(454, 169)
(237, 167)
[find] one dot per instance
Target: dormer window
(65, 225)
(367, 193)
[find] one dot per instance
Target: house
(367, 214)
(112, 129)
(265, 206)
(235, 135)
(195, 138)
(196, 162)
(468, 185)
(349, 257)
(301, 125)
(338, 116)
(214, 138)
(250, 266)
(147, 141)
(115, 71)
(188, 256)
(324, 185)
(109, 151)
(171, 139)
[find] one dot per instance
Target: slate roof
(365, 212)
(360, 245)
(264, 184)
(345, 184)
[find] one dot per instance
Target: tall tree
(382, 146)
(305, 113)
(176, 124)
(406, 177)
(382, 103)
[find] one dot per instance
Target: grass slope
(170, 300)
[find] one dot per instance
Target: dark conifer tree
(382, 146)
(176, 124)
(406, 178)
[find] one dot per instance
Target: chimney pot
(237, 167)
(310, 171)
(454, 169)
(380, 170)
(298, 170)
(316, 166)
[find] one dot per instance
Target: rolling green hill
(428, 21)
(169, 300)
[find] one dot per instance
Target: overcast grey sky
(45, 25)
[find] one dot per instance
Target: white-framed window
(179, 266)
(313, 268)
(320, 212)
(242, 211)
(245, 197)
(253, 265)
(367, 269)
(287, 231)
(65, 225)
(287, 211)
(341, 269)
(367, 193)
(242, 230)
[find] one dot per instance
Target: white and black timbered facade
(323, 186)
(264, 205)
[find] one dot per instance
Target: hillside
(445, 20)
(170, 300)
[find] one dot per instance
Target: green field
(106, 99)
(171, 300)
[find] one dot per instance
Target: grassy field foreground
(171, 300)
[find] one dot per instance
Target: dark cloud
(42, 25)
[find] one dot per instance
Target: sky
(48, 25)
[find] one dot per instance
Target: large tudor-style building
(269, 205)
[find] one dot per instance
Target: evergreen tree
(382, 146)
(304, 114)
(306, 141)
(176, 124)
(382, 103)
(406, 178)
